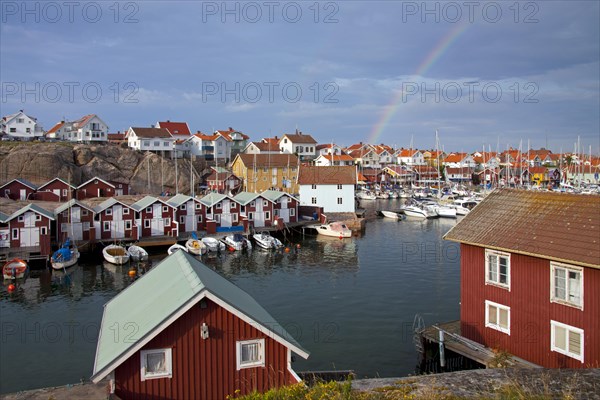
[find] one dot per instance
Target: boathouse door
(22, 194)
(29, 234)
(118, 223)
(190, 217)
(76, 224)
(157, 224)
(284, 212)
(259, 214)
(226, 219)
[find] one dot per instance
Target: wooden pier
(28, 254)
(447, 336)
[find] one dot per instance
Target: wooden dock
(454, 341)
(27, 254)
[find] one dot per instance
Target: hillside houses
(20, 125)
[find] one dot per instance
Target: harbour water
(350, 302)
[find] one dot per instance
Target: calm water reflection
(350, 302)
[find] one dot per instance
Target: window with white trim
(199, 218)
(313, 186)
(197, 206)
(182, 219)
(566, 284)
(339, 200)
(165, 209)
(250, 216)
(148, 209)
(64, 192)
(38, 217)
(20, 218)
(265, 203)
(250, 353)
(128, 225)
(497, 316)
(44, 230)
(313, 200)
(292, 212)
(234, 218)
(218, 218)
(167, 221)
(146, 223)
(125, 211)
(106, 226)
(218, 206)
(108, 211)
(15, 233)
(497, 268)
(84, 213)
(156, 364)
(267, 215)
(339, 187)
(566, 340)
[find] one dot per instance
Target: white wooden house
(150, 139)
(20, 125)
(331, 188)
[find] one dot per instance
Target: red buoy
(287, 249)
(11, 288)
(132, 273)
(231, 248)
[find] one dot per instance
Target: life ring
(195, 244)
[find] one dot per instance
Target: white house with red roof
(150, 139)
(300, 144)
(20, 125)
(208, 146)
(89, 128)
(261, 148)
(179, 130)
(59, 131)
(329, 148)
(410, 157)
(235, 142)
(334, 159)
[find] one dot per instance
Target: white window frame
(165, 209)
(496, 325)
(108, 211)
(21, 218)
(15, 234)
(267, 215)
(183, 207)
(340, 200)
(148, 209)
(250, 216)
(84, 212)
(200, 218)
(104, 226)
(339, 186)
(128, 225)
(125, 211)
(292, 212)
(313, 200)
(38, 217)
(569, 329)
(234, 217)
(198, 206)
(44, 230)
(182, 219)
(168, 364)
(167, 221)
(313, 186)
(218, 206)
(147, 223)
(554, 266)
(250, 364)
(495, 281)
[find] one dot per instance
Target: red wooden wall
(205, 369)
(530, 310)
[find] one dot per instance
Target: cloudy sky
(491, 74)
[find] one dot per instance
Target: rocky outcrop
(145, 172)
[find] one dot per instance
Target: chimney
(21, 110)
(276, 137)
(168, 121)
(230, 129)
(152, 126)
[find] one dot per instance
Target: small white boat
(213, 244)
(365, 195)
(176, 247)
(137, 253)
(418, 212)
(64, 257)
(115, 254)
(335, 229)
(237, 241)
(393, 194)
(382, 195)
(195, 246)
(266, 241)
(391, 214)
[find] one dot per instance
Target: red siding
(205, 369)
(44, 240)
(530, 309)
(95, 188)
(129, 234)
(56, 185)
(63, 218)
(15, 191)
(169, 213)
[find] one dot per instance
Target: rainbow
(393, 106)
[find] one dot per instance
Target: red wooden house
(223, 181)
(156, 217)
(221, 209)
(285, 206)
(95, 187)
(18, 189)
(74, 220)
(115, 220)
(530, 276)
(28, 227)
(256, 209)
(55, 190)
(189, 213)
(196, 335)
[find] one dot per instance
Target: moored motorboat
(391, 214)
(176, 247)
(137, 253)
(213, 244)
(266, 241)
(365, 195)
(15, 268)
(237, 242)
(417, 212)
(335, 229)
(64, 257)
(115, 254)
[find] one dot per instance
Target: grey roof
(212, 198)
(169, 290)
(69, 204)
(30, 207)
(244, 198)
(57, 179)
(108, 203)
(179, 199)
(146, 202)
(3, 217)
(23, 181)
(273, 195)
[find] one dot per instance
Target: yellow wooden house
(260, 172)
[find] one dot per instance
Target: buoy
(287, 249)
(11, 288)
(341, 237)
(231, 248)
(132, 273)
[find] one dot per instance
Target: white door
(23, 194)
(226, 219)
(259, 215)
(4, 238)
(190, 217)
(29, 219)
(56, 192)
(157, 224)
(284, 212)
(118, 224)
(30, 237)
